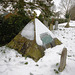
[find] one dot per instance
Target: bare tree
(57, 14)
(53, 8)
(72, 13)
(65, 5)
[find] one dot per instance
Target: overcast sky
(56, 2)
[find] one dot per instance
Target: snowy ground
(12, 63)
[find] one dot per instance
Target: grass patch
(56, 71)
(26, 63)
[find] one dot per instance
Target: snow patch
(28, 31)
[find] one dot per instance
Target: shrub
(41, 18)
(11, 26)
(67, 15)
(52, 21)
(26, 63)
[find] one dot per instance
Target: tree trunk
(67, 25)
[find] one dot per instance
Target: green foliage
(36, 65)
(62, 20)
(56, 71)
(45, 6)
(11, 26)
(57, 64)
(21, 12)
(26, 63)
(57, 42)
(19, 5)
(22, 7)
(1, 0)
(41, 18)
(67, 15)
(52, 21)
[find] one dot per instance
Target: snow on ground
(12, 63)
(28, 31)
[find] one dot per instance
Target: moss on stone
(57, 42)
(60, 70)
(34, 52)
(67, 26)
(26, 47)
(19, 43)
(51, 27)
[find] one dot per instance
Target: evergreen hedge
(52, 21)
(11, 26)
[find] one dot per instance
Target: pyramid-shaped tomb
(33, 40)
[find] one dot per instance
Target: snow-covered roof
(28, 31)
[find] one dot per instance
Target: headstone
(51, 27)
(63, 60)
(56, 25)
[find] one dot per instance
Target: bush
(41, 18)
(52, 21)
(11, 26)
(67, 15)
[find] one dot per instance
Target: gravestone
(63, 60)
(51, 27)
(56, 25)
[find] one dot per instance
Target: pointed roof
(40, 28)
